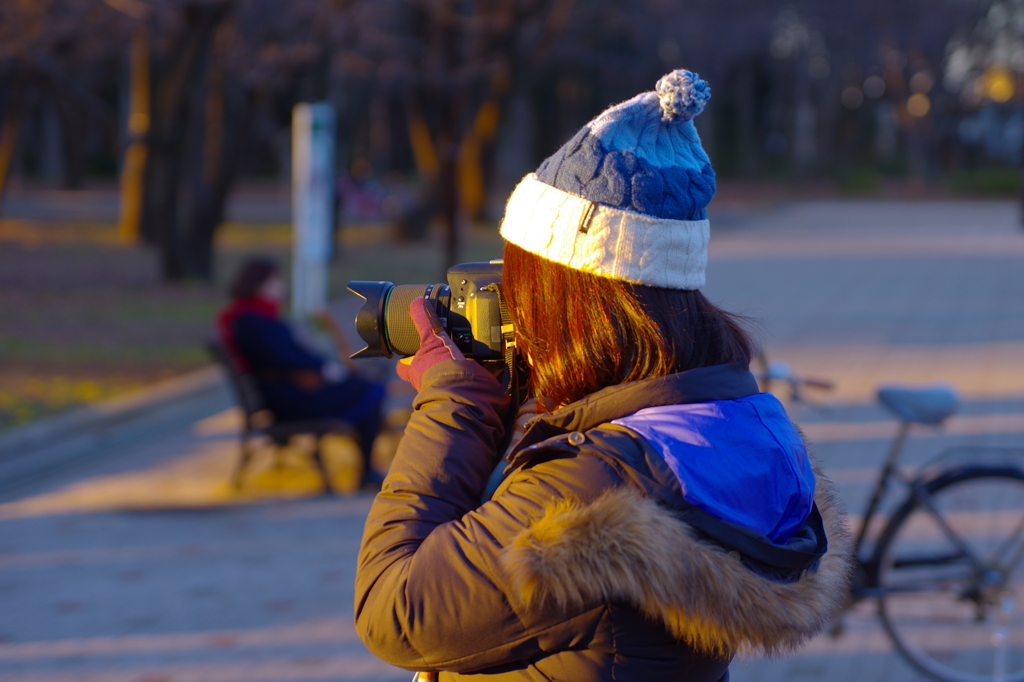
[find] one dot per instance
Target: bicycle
(946, 568)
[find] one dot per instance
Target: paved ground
(141, 565)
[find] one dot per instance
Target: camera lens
(383, 322)
(400, 334)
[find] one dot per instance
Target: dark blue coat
(274, 354)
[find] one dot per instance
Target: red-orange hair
(585, 332)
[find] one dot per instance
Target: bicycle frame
(866, 584)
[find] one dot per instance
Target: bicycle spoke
(942, 589)
(1017, 537)
(925, 499)
(941, 586)
(1001, 637)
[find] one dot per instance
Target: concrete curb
(29, 450)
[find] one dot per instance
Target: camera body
(469, 307)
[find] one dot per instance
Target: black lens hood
(370, 316)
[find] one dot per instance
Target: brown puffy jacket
(577, 568)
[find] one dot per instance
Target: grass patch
(86, 317)
(860, 180)
(27, 397)
(68, 353)
(987, 181)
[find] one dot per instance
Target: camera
(469, 305)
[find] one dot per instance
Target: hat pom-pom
(682, 94)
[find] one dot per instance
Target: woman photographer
(659, 514)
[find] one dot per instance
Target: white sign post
(312, 204)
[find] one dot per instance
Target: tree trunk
(10, 128)
(448, 176)
(746, 119)
(176, 82)
(1021, 201)
(472, 177)
(134, 166)
(72, 148)
(222, 145)
(414, 223)
(451, 159)
(449, 209)
(8, 143)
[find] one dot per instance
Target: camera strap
(508, 336)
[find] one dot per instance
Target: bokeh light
(852, 97)
(996, 84)
(922, 81)
(918, 105)
(818, 67)
(874, 87)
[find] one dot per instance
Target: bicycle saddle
(922, 405)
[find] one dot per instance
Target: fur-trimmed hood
(633, 546)
(624, 548)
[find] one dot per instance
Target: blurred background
(145, 145)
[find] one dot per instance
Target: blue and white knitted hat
(626, 197)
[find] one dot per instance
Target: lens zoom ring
(402, 337)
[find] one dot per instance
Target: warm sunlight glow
(997, 84)
(919, 105)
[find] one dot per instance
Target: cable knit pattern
(624, 179)
(640, 180)
(619, 244)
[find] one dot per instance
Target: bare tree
(986, 63)
(52, 53)
(452, 66)
(435, 77)
(208, 63)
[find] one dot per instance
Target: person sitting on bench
(296, 383)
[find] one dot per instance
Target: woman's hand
(435, 344)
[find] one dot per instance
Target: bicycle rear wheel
(950, 576)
